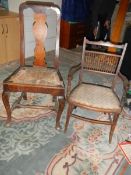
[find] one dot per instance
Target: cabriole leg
(5, 98)
(61, 103)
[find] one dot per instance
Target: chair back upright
(41, 31)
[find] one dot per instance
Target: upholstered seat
(37, 75)
(94, 96)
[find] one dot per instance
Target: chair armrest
(71, 73)
(125, 82)
(125, 87)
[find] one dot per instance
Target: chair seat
(94, 96)
(36, 76)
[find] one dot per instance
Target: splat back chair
(91, 95)
(39, 77)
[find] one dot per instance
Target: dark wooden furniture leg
(61, 102)
(69, 111)
(115, 118)
(5, 98)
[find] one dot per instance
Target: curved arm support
(125, 81)
(125, 84)
(71, 73)
(125, 87)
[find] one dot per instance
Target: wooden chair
(97, 58)
(39, 77)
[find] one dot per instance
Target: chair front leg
(69, 111)
(61, 103)
(115, 118)
(5, 98)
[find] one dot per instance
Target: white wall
(29, 41)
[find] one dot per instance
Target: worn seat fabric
(95, 97)
(37, 75)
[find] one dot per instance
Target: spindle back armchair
(102, 58)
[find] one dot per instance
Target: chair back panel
(98, 62)
(96, 56)
(36, 29)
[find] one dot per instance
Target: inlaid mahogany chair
(102, 58)
(39, 77)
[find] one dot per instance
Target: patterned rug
(32, 146)
(27, 114)
(89, 152)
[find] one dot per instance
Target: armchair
(102, 58)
